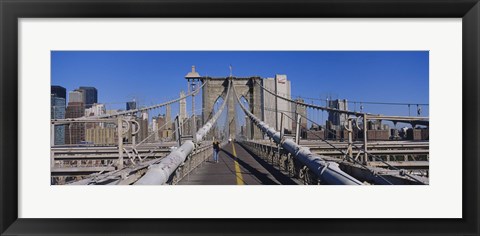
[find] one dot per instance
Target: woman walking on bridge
(216, 149)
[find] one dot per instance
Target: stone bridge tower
(245, 87)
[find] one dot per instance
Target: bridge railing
(160, 173)
(348, 155)
(280, 159)
(326, 172)
(194, 160)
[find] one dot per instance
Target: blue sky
(156, 76)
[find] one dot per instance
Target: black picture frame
(11, 11)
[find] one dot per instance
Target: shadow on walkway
(279, 176)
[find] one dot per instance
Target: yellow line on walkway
(238, 173)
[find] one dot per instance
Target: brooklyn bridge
(266, 138)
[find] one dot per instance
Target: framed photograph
(225, 117)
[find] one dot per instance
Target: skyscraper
(57, 109)
(168, 117)
(302, 111)
(96, 109)
(336, 118)
(101, 136)
(160, 125)
(99, 133)
(75, 132)
(283, 89)
(59, 91)
(131, 105)
(156, 137)
(76, 96)
(183, 107)
(143, 132)
(90, 95)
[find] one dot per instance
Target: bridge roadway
(236, 166)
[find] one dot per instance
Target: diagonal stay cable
(376, 116)
(147, 108)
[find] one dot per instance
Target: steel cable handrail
(160, 173)
(357, 147)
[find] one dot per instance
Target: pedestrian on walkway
(216, 149)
